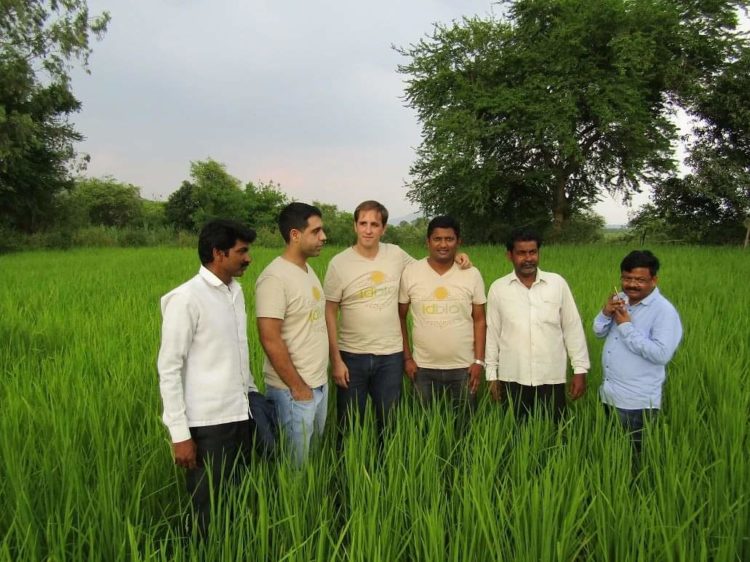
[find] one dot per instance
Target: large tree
(212, 192)
(39, 41)
(528, 118)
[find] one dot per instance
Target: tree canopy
(528, 118)
(39, 41)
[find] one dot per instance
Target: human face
(369, 228)
(312, 239)
(233, 262)
(637, 283)
(442, 245)
(525, 258)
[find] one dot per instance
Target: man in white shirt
(447, 306)
(533, 326)
(203, 363)
(290, 311)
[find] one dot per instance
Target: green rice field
(86, 472)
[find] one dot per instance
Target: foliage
(526, 119)
(338, 225)
(583, 227)
(77, 356)
(408, 234)
(213, 192)
(38, 42)
(264, 203)
(107, 202)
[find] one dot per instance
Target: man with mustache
(533, 326)
(361, 287)
(290, 310)
(204, 368)
(447, 307)
(642, 331)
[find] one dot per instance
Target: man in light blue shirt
(642, 331)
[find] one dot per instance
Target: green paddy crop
(86, 472)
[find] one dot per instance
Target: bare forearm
(281, 361)
(332, 310)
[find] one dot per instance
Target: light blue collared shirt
(636, 352)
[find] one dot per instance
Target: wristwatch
(480, 362)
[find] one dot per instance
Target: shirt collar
(651, 298)
(541, 277)
(209, 277)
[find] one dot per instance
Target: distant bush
(269, 237)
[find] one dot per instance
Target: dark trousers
(376, 376)
(432, 384)
(526, 399)
(633, 422)
(221, 451)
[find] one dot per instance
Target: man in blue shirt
(643, 331)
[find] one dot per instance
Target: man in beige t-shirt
(290, 311)
(361, 288)
(447, 307)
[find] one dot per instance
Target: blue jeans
(633, 422)
(300, 421)
(376, 376)
(431, 384)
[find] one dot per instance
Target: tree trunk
(559, 207)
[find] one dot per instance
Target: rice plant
(86, 472)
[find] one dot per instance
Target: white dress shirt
(204, 370)
(530, 330)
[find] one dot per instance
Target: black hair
(640, 258)
(523, 234)
(221, 234)
(444, 221)
(372, 206)
(294, 216)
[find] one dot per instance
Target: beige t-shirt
(285, 291)
(441, 306)
(367, 293)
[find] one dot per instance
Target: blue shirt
(636, 352)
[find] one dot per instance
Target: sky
(302, 93)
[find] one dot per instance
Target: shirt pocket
(549, 312)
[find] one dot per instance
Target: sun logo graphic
(377, 277)
(316, 293)
(441, 293)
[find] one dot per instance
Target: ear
(217, 254)
(509, 255)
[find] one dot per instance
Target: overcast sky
(302, 93)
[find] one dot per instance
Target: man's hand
(578, 386)
(475, 377)
(340, 373)
(185, 453)
(463, 261)
(302, 393)
(613, 304)
(410, 368)
(496, 390)
(622, 315)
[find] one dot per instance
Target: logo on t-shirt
(435, 307)
(316, 293)
(374, 288)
